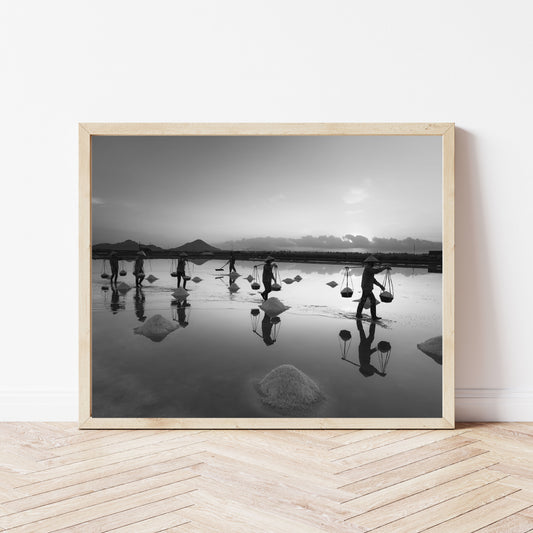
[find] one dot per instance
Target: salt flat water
(224, 344)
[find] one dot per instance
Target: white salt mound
(288, 281)
(332, 284)
(288, 389)
(151, 278)
(180, 293)
(123, 287)
(156, 328)
(273, 307)
(233, 287)
(196, 279)
(433, 348)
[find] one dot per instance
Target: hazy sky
(169, 190)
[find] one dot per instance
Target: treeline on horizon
(399, 258)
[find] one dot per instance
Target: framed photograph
(267, 275)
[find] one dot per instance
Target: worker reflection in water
(180, 270)
(115, 300)
(367, 284)
(181, 308)
(266, 330)
(366, 350)
(139, 300)
(113, 263)
(268, 276)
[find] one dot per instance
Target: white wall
(64, 62)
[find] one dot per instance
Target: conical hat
(371, 259)
(269, 258)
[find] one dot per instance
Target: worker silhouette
(139, 300)
(113, 263)
(180, 270)
(367, 284)
(366, 350)
(138, 269)
(268, 277)
(231, 263)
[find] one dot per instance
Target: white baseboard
(471, 405)
(493, 405)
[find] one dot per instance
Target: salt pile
(233, 287)
(288, 281)
(273, 307)
(151, 278)
(289, 390)
(332, 284)
(156, 328)
(433, 348)
(123, 287)
(298, 278)
(196, 279)
(180, 293)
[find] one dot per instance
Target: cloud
(277, 198)
(332, 242)
(97, 201)
(355, 196)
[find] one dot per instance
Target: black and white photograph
(260, 276)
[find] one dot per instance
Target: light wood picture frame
(90, 132)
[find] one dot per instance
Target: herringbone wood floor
(57, 478)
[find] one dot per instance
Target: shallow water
(209, 366)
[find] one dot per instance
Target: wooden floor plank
(55, 477)
(94, 498)
(423, 500)
(413, 443)
(88, 487)
(173, 493)
(404, 489)
(482, 516)
(515, 523)
(447, 510)
(410, 471)
(358, 472)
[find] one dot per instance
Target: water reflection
(368, 365)
(116, 305)
(124, 363)
(139, 300)
(270, 326)
(181, 312)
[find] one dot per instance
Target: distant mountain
(128, 245)
(196, 246)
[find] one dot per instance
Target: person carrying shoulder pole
(231, 263)
(367, 284)
(268, 277)
(113, 263)
(180, 270)
(138, 269)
